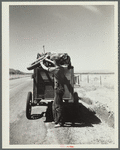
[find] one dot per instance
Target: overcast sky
(85, 32)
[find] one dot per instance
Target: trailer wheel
(28, 105)
(34, 65)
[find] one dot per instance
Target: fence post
(78, 80)
(80, 77)
(100, 81)
(88, 78)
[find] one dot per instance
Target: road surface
(38, 131)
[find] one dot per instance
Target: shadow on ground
(76, 115)
(36, 116)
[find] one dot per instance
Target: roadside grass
(17, 76)
(99, 97)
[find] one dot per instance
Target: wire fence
(94, 79)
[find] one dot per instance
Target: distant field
(105, 80)
(17, 76)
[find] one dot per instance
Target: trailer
(43, 89)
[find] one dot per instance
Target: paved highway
(37, 131)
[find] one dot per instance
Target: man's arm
(43, 66)
(47, 68)
(50, 61)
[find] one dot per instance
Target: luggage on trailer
(64, 59)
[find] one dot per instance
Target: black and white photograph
(60, 74)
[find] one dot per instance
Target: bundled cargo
(63, 58)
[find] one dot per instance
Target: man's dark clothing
(59, 92)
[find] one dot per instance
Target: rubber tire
(28, 105)
(37, 63)
(33, 66)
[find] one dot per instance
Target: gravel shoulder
(99, 99)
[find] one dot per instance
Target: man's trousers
(57, 107)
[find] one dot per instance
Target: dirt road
(38, 131)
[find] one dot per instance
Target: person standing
(57, 107)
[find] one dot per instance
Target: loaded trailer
(43, 89)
